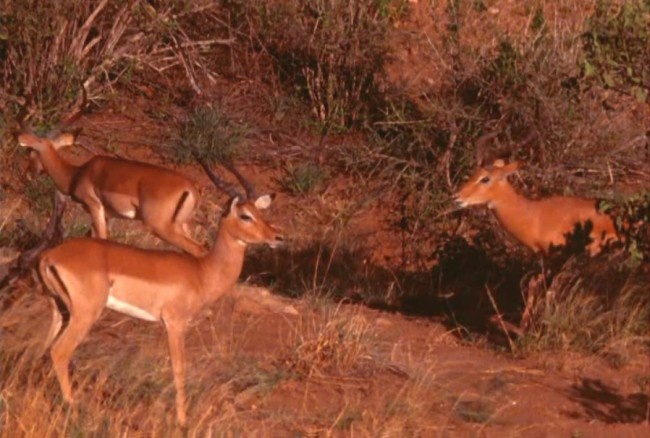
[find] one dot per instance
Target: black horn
(246, 184)
(221, 184)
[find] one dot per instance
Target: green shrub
(616, 47)
(303, 179)
(329, 51)
(209, 134)
(632, 216)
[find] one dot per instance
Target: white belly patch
(129, 309)
(130, 214)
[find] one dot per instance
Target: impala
(87, 275)
(541, 225)
(162, 199)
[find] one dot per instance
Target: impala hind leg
(55, 325)
(84, 311)
(532, 291)
(170, 224)
(65, 345)
(175, 337)
(177, 235)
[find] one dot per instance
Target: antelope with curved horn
(87, 275)
(162, 199)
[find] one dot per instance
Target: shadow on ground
(605, 403)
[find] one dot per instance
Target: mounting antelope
(162, 199)
(87, 275)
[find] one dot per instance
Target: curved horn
(77, 111)
(532, 135)
(221, 184)
(246, 184)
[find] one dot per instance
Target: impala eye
(245, 217)
(485, 180)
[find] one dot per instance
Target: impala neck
(59, 170)
(514, 211)
(223, 264)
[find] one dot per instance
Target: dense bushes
(330, 52)
(58, 55)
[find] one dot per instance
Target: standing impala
(541, 225)
(163, 199)
(88, 275)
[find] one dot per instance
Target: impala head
(486, 184)
(38, 144)
(243, 219)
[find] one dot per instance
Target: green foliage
(40, 194)
(632, 216)
(617, 49)
(209, 134)
(303, 179)
(330, 51)
(57, 56)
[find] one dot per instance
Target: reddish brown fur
(542, 224)
(163, 199)
(88, 275)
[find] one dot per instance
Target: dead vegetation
(363, 116)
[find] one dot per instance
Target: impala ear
(233, 203)
(29, 140)
(61, 140)
(264, 202)
(511, 167)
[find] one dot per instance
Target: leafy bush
(632, 216)
(303, 179)
(616, 47)
(208, 134)
(330, 51)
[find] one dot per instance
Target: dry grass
(337, 346)
(594, 306)
(374, 238)
(123, 381)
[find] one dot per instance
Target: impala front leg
(97, 213)
(175, 337)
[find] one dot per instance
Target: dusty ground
(335, 368)
(338, 369)
(341, 369)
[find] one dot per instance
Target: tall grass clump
(58, 57)
(208, 133)
(596, 309)
(329, 52)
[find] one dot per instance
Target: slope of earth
(333, 369)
